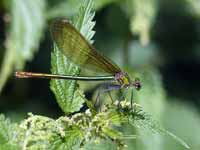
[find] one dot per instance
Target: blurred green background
(157, 40)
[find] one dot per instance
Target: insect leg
(132, 98)
(105, 88)
(109, 94)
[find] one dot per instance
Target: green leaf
(7, 134)
(39, 132)
(142, 14)
(193, 7)
(68, 8)
(24, 34)
(69, 97)
(45, 133)
(98, 144)
(144, 121)
(83, 21)
(145, 125)
(72, 140)
(112, 133)
(99, 4)
(181, 118)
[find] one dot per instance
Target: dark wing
(75, 47)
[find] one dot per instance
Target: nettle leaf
(142, 14)
(145, 126)
(83, 21)
(69, 97)
(144, 121)
(66, 8)
(24, 34)
(45, 133)
(7, 134)
(193, 7)
(39, 132)
(70, 7)
(102, 3)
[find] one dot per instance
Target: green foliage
(190, 7)
(64, 8)
(87, 130)
(45, 133)
(142, 15)
(80, 130)
(143, 120)
(143, 124)
(68, 95)
(7, 134)
(180, 119)
(106, 144)
(83, 21)
(27, 26)
(24, 34)
(102, 3)
(193, 7)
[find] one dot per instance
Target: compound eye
(138, 84)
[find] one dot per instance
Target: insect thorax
(122, 78)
